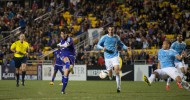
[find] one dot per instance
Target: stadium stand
(141, 24)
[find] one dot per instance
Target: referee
(20, 49)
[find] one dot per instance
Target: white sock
(151, 78)
(118, 81)
(168, 81)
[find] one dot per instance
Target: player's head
(166, 45)
(110, 30)
(21, 37)
(63, 34)
(179, 37)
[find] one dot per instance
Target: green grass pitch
(90, 90)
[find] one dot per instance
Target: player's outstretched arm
(101, 43)
(121, 44)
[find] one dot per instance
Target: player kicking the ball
(67, 56)
(109, 43)
(166, 67)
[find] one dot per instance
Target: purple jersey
(70, 50)
(58, 60)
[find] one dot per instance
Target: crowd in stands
(141, 24)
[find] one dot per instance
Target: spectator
(80, 56)
(101, 61)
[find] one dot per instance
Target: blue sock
(67, 65)
(53, 78)
(64, 81)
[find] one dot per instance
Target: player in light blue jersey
(179, 46)
(58, 65)
(166, 67)
(109, 44)
(67, 56)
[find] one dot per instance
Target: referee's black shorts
(19, 60)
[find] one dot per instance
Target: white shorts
(172, 72)
(110, 63)
(179, 65)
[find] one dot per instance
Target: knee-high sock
(17, 78)
(67, 65)
(53, 78)
(151, 78)
(23, 76)
(64, 81)
(118, 81)
(168, 81)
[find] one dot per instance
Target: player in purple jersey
(67, 56)
(58, 65)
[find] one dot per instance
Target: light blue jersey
(110, 43)
(167, 57)
(179, 47)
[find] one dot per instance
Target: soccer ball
(103, 74)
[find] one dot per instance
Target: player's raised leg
(152, 77)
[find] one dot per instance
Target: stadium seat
(92, 18)
(79, 19)
(90, 15)
(171, 36)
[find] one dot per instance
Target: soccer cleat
(51, 83)
(146, 80)
(17, 85)
(118, 90)
(71, 69)
(179, 85)
(167, 87)
(60, 83)
(63, 92)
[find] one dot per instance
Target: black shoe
(17, 85)
(118, 90)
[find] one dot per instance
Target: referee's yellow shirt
(20, 47)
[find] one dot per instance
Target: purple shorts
(60, 68)
(71, 58)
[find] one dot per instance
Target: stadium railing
(11, 35)
(43, 62)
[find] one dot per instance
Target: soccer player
(166, 67)
(109, 43)
(58, 65)
(20, 49)
(67, 56)
(180, 47)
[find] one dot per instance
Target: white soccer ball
(103, 74)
